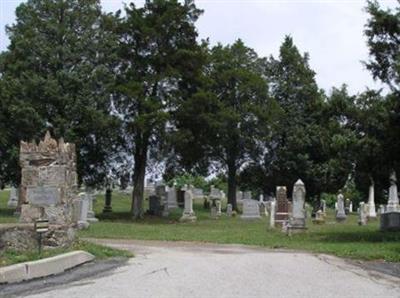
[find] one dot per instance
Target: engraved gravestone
(282, 206)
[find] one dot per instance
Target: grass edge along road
(346, 239)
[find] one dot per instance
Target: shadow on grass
(363, 236)
(126, 217)
(7, 212)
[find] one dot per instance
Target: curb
(45, 267)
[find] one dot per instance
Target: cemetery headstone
(347, 206)
(13, 198)
(229, 210)
(362, 214)
(319, 217)
(351, 207)
(247, 195)
(272, 214)
(390, 219)
(90, 215)
(188, 213)
(371, 202)
(250, 209)
(155, 206)
(172, 202)
(298, 218)
(340, 214)
(282, 206)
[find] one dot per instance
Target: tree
(55, 76)
(383, 37)
(158, 57)
(233, 111)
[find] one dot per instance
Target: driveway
(178, 269)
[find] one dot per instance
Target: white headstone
(90, 215)
(272, 214)
(13, 198)
(229, 210)
(351, 207)
(188, 213)
(371, 202)
(298, 218)
(362, 214)
(393, 203)
(340, 214)
(171, 198)
(250, 209)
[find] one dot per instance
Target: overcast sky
(331, 31)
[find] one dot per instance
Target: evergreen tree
(55, 76)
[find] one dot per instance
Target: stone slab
(43, 195)
(13, 273)
(44, 267)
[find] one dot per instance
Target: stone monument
(363, 214)
(229, 210)
(371, 203)
(171, 198)
(250, 209)
(340, 214)
(282, 206)
(91, 217)
(13, 198)
(298, 218)
(188, 213)
(48, 181)
(272, 214)
(390, 219)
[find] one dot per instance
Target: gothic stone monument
(48, 181)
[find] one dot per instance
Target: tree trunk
(232, 185)
(138, 178)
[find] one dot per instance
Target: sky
(331, 31)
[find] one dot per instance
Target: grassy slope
(345, 239)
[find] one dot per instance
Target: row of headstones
(83, 212)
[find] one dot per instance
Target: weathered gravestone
(90, 215)
(171, 198)
(298, 218)
(13, 198)
(188, 213)
(272, 214)
(81, 209)
(229, 210)
(362, 214)
(390, 219)
(347, 206)
(282, 206)
(371, 202)
(155, 206)
(251, 210)
(340, 214)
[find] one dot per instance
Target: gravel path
(168, 269)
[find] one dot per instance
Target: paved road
(170, 269)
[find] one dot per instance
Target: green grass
(12, 257)
(99, 251)
(345, 239)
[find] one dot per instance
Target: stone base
(23, 237)
(250, 217)
(295, 229)
(82, 225)
(390, 221)
(318, 221)
(341, 218)
(107, 209)
(188, 218)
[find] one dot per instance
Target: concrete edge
(44, 267)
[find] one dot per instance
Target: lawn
(346, 239)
